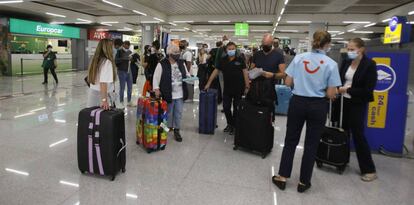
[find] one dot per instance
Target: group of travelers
(314, 77)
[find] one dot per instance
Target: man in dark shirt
(269, 59)
(236, 83)
(276, 46)
(122, 61)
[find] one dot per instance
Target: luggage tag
(165, 127)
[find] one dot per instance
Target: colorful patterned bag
(151, 118)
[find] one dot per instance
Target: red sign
(97, 35)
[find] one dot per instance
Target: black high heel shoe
(279, 183)
(303, 187)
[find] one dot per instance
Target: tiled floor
(202, 170)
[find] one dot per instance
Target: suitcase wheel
(235, 148)
(137, 142)
(149, 151)
(264, 155)
(162, 148)
(340, 169)
(319, 164)
(113, 178)
(123, 170)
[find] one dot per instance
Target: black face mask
(266, 48)
(176, 57)
(182, 47)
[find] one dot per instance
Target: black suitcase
(101, 141)
(334, 144)
(254, 129)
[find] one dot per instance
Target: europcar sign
(42, 29)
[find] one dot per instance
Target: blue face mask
(352, 55)
(231, 53)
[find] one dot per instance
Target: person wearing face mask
(236, 83)
(315, 77)
(151, 63)
(49, 63)
(276, 45)
(122, 61)
(220, 54)
(187, 57)
(117, 45)
(359, 78)
(269, 59)
(168, 83)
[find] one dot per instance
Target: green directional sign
(43, 29)
(241, 29)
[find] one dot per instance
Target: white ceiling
(332, 12)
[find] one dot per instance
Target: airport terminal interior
(44, 136)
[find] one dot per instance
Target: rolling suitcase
(101, 141)
(254, 129)
(284, 93)
(207, 119)
(334, 144)
(151, 124)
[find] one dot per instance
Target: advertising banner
(398, 31)
(387, 114)
(134, 40)
(42, 29)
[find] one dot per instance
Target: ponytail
(320, 39)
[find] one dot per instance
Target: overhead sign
(241, 29)
(42, 29)
(132, 39)
(387, 114)
(285, 41)
(397, 31)
(93, 34)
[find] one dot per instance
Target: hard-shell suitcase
(151, 124)
(101, 141)
(254, 129)
(334, 144)
(284, 93)
(207, 120)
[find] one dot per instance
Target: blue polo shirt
(312, 73)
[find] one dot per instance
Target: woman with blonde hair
(101, 75)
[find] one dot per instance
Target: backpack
(262, 92)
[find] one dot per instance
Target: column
(147, 35)
(294, 43)
(312, 28)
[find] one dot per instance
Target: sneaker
(227, 129)
(121, 105)
(369, 177)
(177, 135)
(130, 104)
(44, 83)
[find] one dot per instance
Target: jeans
(353, 121)
(228, 100)
(312, 111)
(175, 110)
(125, 77)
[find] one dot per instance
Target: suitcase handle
(341, 114)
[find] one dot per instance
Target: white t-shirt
(176, 80)
(187, 56)
(105, 75)
(349, 76)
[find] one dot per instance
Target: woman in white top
(101, 75)
(168, 83)
(359, 78)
